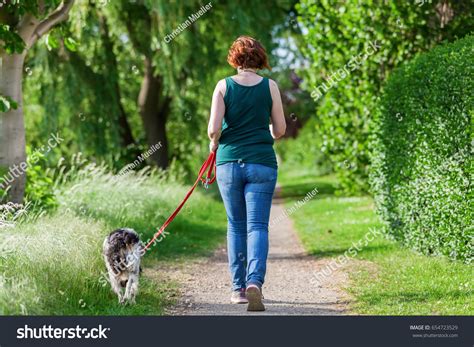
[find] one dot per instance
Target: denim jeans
(247, 191)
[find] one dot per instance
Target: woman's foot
(238, 297)
(254, 297)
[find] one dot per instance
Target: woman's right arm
(278, 123)
(217, 115)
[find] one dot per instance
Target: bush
(39, 183)
(422, 166)
(338, 33)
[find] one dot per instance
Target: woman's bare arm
(217, 115)
(278, 124)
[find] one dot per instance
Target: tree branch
(57, 16)
(26, 27)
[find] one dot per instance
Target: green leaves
(7, 103)
(52, 41)
(70, 44)
(12, 13)
(10, 41)
(421, 156)
(333, 33)
(39, 187)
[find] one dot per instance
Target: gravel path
(288, 289)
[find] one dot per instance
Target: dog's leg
(133, 287)
(134, 272)
(114, 282)
(128, 289)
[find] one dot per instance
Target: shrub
(338, 33)
(39, 182)
(422, 166)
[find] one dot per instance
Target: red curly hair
(248, 53)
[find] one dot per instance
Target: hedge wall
(422, 152)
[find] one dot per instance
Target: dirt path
(288, 289)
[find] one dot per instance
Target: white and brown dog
(122, 251)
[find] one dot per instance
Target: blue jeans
(247, 191)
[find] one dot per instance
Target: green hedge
(336, 32)
(422, 155)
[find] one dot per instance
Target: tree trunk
(153, 104)
(12, 128)
(154, 110)
(126, 134)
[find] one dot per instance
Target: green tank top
(246, 136)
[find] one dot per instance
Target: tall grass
(53, 265)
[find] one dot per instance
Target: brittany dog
(122, 251)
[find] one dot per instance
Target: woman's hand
(213, 146)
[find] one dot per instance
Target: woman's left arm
(217, 115)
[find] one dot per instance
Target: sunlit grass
(390, 279)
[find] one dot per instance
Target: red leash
(210, 166)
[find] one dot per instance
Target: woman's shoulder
(221, 86)
(273, 87)
(272, 83)
(274, 90)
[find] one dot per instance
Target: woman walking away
(246, 117)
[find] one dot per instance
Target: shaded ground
(205, 284)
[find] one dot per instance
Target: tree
(153, 102)
(22, 24)
(123, 70)
(190, 60)
(335, 40)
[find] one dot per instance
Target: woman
(246, 117)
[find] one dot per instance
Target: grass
(385, 278)
(53, 265)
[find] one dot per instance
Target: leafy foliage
(7, 103)
(422, 160)
(12, 12)
(75, 91)
(305, 151)
(38, 182)
(333, 33)
(10, 41)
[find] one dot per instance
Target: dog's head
(130, 238)
(121, 247)
(123, 238)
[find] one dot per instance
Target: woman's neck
(243, 71)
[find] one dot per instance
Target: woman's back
(246, 136)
